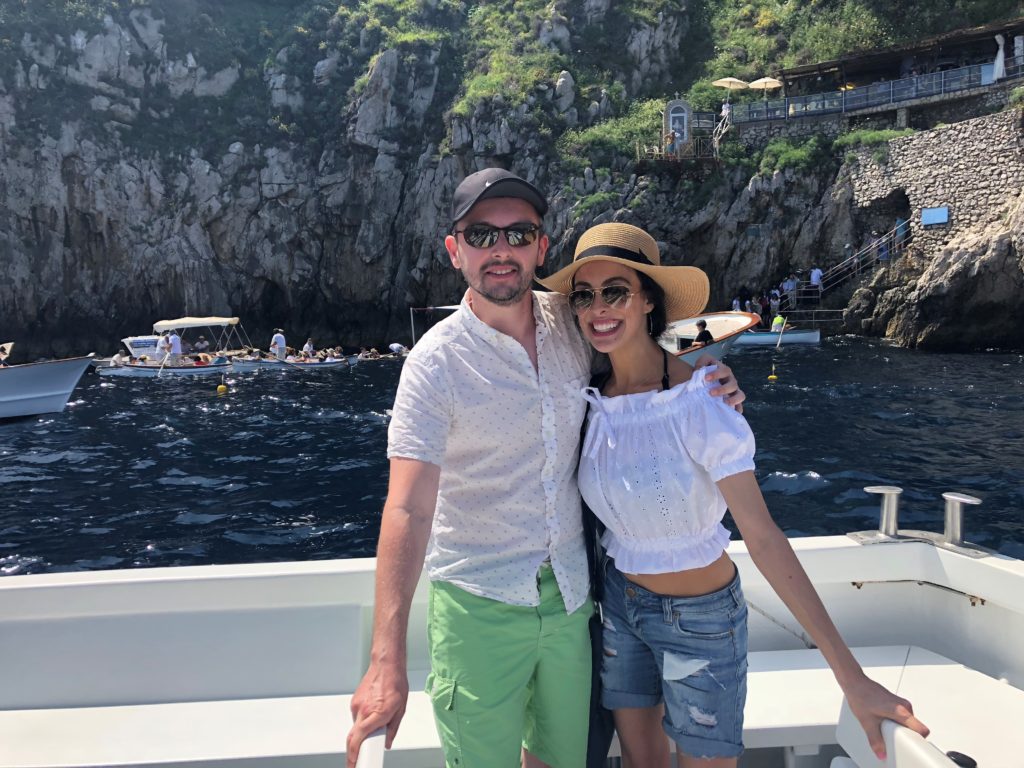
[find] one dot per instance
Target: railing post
(890, 91)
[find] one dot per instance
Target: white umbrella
(730, 84)
(765, 84)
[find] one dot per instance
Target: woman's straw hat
(686, 288)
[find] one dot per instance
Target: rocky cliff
(147, 173)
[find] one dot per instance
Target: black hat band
(616, 252)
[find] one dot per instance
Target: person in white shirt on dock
(662, 461)
(483, 447)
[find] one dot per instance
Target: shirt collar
(482, 329)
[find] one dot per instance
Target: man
(163, 347)
(175, 341)
(201, 345)
(816, 275)
(789, 287)
(278, 347)
(483, 446)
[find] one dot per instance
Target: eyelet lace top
(648, 471)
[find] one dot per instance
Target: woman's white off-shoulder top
(648, 471)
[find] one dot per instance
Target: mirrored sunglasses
(612, 295)
(485, 235)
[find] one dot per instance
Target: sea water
(290, 464)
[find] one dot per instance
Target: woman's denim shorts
(690, 652)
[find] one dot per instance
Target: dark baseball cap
(494, 182)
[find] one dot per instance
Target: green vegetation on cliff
(498, 52)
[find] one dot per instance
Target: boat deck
(254, 665)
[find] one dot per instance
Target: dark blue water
(290, 464)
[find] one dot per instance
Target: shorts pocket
(444, 696)
(704, 626)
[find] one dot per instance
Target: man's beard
(504, 295)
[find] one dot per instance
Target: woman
(661, 462)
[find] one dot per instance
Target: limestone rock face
(968, 296)
(960, 286)
(337, 233)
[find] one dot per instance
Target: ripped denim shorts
(690, 652)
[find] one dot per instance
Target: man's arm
(381, 697)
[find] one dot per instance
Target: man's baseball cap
(494, 182)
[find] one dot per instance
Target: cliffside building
(898, 80)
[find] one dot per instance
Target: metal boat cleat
(952, 538)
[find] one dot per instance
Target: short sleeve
(718, 437)
(422, 414)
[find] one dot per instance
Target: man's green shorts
(506, 677)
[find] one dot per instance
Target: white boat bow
(211, 666)
(35, 388)
(725, 328)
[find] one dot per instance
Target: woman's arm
(774, 557)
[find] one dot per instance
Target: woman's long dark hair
(658, 321)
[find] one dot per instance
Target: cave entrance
(884, 214)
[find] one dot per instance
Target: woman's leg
(644, 744)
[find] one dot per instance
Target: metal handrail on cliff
(720, 130)
(894, 242)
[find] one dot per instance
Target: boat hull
(770, 339)
(155, 371)
(35, 388)
(272, 364)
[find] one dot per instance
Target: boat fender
(962, 760)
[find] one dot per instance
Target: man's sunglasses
(485, 235)
(612, 295)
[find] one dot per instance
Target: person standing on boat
(483, 449)
(201, 345)
(163, 347)
(308, 349)
(278, 347)
(175, 341)
(662, 462)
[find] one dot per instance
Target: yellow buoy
(222, 389)
(772, 376)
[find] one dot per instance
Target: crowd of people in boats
(172, 349)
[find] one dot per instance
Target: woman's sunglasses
(612, 295)
(485, 235)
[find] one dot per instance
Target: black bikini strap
(664, 370)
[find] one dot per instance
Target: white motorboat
(226, 333)
(255, 665)
(156, 370)
(34, 388)
(724, 327)
(785, 338)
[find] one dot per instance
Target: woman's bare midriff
(691, 583)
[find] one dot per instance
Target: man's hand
(871, 703)
(379, 702)
(727, 385)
